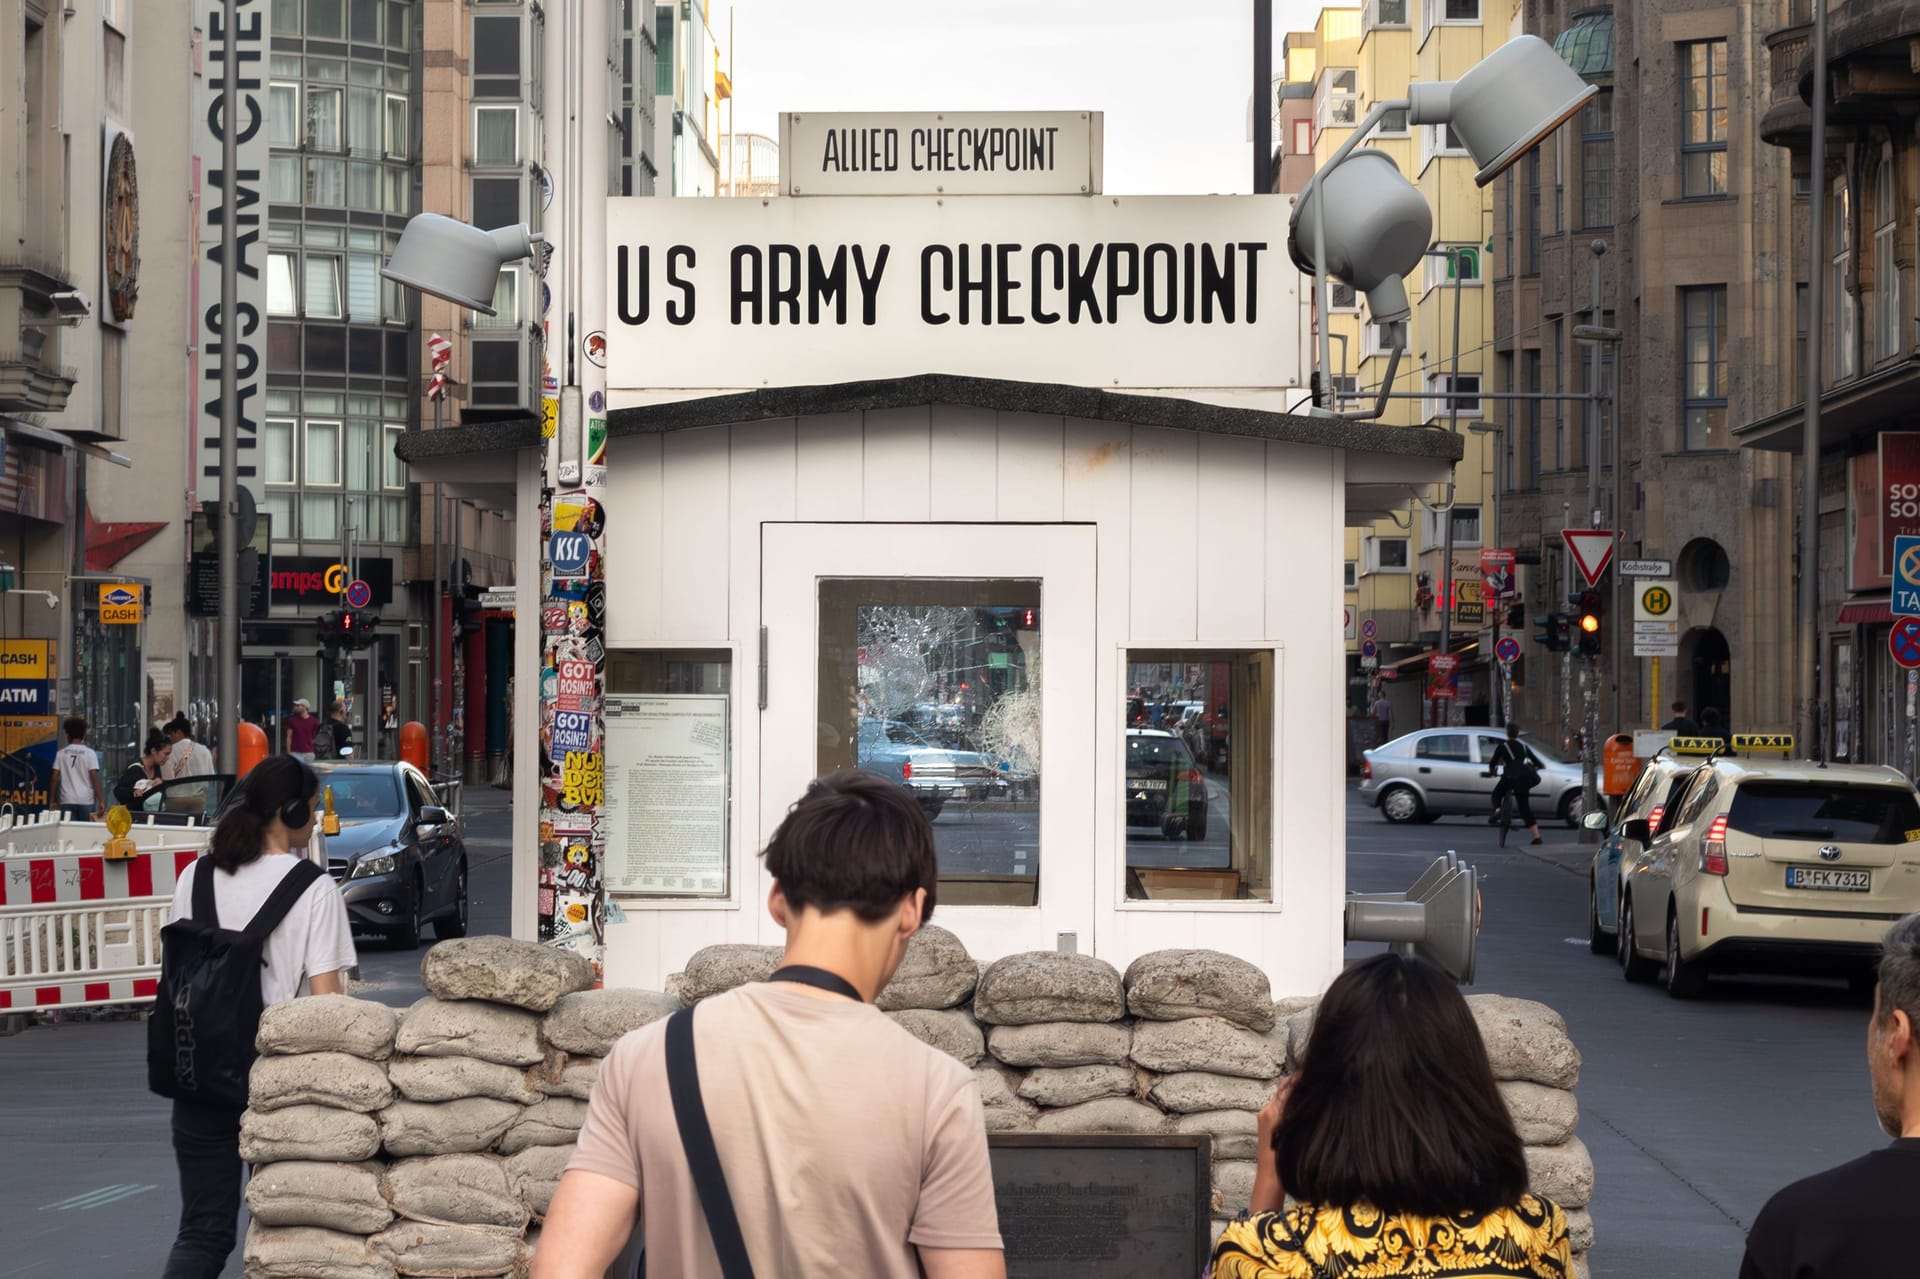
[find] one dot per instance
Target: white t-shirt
(313, 938)
(75, 766)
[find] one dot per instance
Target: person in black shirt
(128, 789)
(1845, 1223)
(1518, 777)
(1681, 725)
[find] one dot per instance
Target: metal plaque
(1121, 1207)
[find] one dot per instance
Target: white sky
(1174, 78)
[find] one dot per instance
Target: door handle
(1425, 769)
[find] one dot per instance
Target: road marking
(1574, 941)
(97, 1198)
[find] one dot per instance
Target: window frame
(1887, 343)
(1709, 145)
(388, 148)
(337, 262)
(1439, 385)
(269, 427)
(1370, 554)
(390, 460)
(1350, 578)
(338, 483)
(513, 108)
(1594, 143)
(308, 143)
(294, 281)
(1442, 273)
(1298, 126)
(1716, 296)
(1845, 324)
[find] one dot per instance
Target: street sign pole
(1653, 694)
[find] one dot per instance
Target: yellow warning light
(119, 848)
(329, 824)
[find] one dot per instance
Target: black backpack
(207, 1009)
(323, 743)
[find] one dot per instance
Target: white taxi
(1783, 866)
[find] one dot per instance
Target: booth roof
(942, 388)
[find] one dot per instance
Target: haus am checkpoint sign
(1591, 549)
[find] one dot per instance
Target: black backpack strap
(204, 910)
(696, 1138)
(291, 888)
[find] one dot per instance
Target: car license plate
(1159, 785)
(1845, 881)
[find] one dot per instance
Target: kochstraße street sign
(940, 153)
(1646, 568)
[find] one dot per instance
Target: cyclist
(1518, 777)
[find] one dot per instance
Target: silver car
(935, 774)
(1440, 771)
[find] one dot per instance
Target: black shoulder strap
(696, 1138)
(204, 909)
(291, 888)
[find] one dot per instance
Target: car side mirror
(1595, 820)
(1639, 830)
(433, 815)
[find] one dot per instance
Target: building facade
(1665, 171)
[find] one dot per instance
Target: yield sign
(1592, 551)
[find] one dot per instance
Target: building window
(1596, 161)
(1533, 212)
(396, 143)
(1886, 271)
(1703, 138)
(322, 277)
(394, 470)
(1460, 266)
(323, 455)
(283, 297)
(496, 136)
(1350, 577)
(1462, 10)
(1530, 462)
(1303, 137)
(327, 183)
(1342, 296)
(320, 517)
(1393, 123)
(286, 17)
(1440, 385)
(1840, 285)
(327, 19)
(364, 21)
(496, 202)
(1335, 105)
(323, 119)
(1704, 316)
(1387, 13)
(283, 115)
(506, 303)
(1506, 225)
(276, 442)
(1387, 555)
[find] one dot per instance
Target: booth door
(957, 661)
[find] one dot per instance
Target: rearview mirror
(433, 815)
(1595, 820)
(1639, 830)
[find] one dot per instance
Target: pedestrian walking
(817, 1137)
(334, 739)
(300, 729)
(143, 772)
(1383, 716)
(1518, 777)
(76, 770)
(1383, 1163)
(1846, 1222)
(1681, 725)
(215, 979)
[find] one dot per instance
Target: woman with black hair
(142, 772)
(257, 844)
(1395, 1147)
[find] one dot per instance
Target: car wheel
(1634, 966)
(454, 924)
(1401, 804)
(1599, 941)
(406, 936)
(1196, 823)
(1573, 808)
(1685, 980)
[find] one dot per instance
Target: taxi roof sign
(1782, 742)
(1697, 745)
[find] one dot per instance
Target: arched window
(1840, 240)
(1886, 271)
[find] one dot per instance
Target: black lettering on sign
(1161, 273)
(1003, 274)
(1081, 272)
(870, 283)
(1121, 284)
(1253, 250)
(972, 283)
(632, 283)
(1057, 277)
(826, 284)
(783, 282)
(746, 296)
(928, 256)
(681, 312)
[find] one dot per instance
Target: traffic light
(1552, 634)
(346, 628)
(1517, 617)
(1588, 620)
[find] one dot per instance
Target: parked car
(1434, 772)
(1651, 799)
(1777, 866)
(1165, 787)
(185, 801)
(399, 858)
(935, 774)
(940, 723)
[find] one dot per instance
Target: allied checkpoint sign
(940, 153)
(1110, 292)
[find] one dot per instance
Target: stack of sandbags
(428, 1143)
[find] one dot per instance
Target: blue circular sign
(1369, 649)
(1508, 649)
(1904, 642)
(359, 594)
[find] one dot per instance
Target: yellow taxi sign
(121, 604)
(1782, 742)
(1697, 745)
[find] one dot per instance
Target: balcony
(29, 386)
(1871, 70)
(1788, 121)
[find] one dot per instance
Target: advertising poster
(666, 795)
(1899, 492)
(28, 730)
(1496, 575)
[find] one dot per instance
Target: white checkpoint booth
(1097, 634)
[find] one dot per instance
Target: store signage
(26, 659)
(120, 604)
(1147, 291)
(26, 697)
(940, 153)
(1899, 491)
(312, 579)
(245, 44)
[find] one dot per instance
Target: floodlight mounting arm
(1322, 297)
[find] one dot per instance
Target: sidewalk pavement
(1574, 858)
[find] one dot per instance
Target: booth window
(1198, 775)
(934, 684)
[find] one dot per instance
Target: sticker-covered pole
(571, 896)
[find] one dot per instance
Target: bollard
(252, 748)
(413, 744)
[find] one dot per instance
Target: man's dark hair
(75, 727)
(855, 842)
(179, 724)
(1396, 1103)
(1900, 970)
(1679, 708)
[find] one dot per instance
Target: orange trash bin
(1622, 766)
(413, 744)
(253, 747)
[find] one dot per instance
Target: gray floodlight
(1378, 228)
(453, 260)
(1505, 105)
(1437, 919)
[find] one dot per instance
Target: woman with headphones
(257, 844)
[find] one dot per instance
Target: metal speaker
(1437, 918)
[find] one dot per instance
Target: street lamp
(1500, 109)
(454, 260)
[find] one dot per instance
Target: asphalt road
(1695, 1113)
(1002, 837)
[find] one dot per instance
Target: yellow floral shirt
(1526, 1241)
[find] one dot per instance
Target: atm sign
(120, 605)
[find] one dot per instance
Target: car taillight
(906, 770)
(1653, 819)
(1366, 769)
(1195, 777)
(1713, 849)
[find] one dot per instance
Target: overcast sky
(1173, 78)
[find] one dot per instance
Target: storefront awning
(1866, 612)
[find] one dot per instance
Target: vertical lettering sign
(1899, 491)
(246, 46)
(1147, 291)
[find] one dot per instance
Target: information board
(666, 804)
(1121, 1207)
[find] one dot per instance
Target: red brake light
(906, 769)
(1195, 777)
(1713, 849)
(1653, 819)
(1366, 769)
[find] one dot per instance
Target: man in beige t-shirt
(848, 1146)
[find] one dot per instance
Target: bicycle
(1503, 813)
